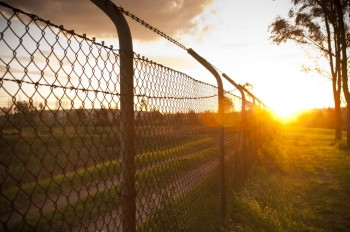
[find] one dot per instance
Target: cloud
(207, 28)
(174, 17)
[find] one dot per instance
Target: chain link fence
(61, 135)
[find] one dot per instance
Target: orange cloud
(173, 17)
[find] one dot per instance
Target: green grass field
(301, 184)
(86, 190)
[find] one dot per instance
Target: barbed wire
(147, 25)
(157, 31)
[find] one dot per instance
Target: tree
(4, 110)
(320, 24)
(24, 113)
(178, 118)
(77, 117)
(82, 117)
(192, 118)
(248, 86)
(155, 116)
(143, 105)
(342, 9)
(228, 105)
(41, 106)
(101, 117)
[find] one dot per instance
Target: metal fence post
(211, 69)
(244, 122)
(253, 132)
(127, 153)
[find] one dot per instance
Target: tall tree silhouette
(321, 24)
(24, 113)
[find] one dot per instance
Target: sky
(231, 34)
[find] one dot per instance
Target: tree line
(319, 118)
(26, 114)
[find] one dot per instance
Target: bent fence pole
(244, 122)
(127, 152)
(254, 127)
(253, 130)
(211, 69)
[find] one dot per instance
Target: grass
(301, 184)
(99, 200)
(55, 186)
(196, 210)
(108, 199)
(85, 176)
(167, 171)
(38, 154)
(71, 215)
(163, 160)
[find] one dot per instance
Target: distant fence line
(82, 149)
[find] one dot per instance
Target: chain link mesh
(60, 136)
(59, 128)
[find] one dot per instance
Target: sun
(287, 111)
(286, 114)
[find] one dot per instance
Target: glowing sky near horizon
(232, 35)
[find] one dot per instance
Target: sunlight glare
(285, 113)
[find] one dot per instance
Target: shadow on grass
(300, 184)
